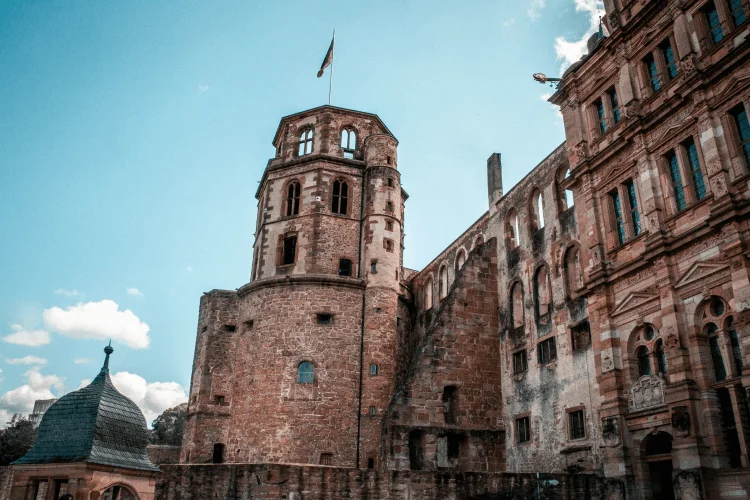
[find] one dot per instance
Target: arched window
(118, 491)
(536, 210)
(292, 199)
(305, 373)
(516, 305)
(305, 143)
(460, 260)
(644, 362)
(720, 370)
(348, 142)
(661, 357)
(511, 229)
(340, 197)
(443, 281)
(428, 295)
(542, 295)
(566, 195)
(478, 241)
(572, 266)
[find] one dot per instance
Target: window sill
(627, 243)
(689, 208)
(575, 445)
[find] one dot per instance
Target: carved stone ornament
(681, 421)
(673, 341)
(611, 431)
(687, 485)
(646, 393)
(687, 64)
(614, 489)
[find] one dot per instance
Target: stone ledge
(321, 280)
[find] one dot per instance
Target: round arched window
(305, 373)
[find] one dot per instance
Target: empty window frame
(288, 249)
(460, 260)
(389, 226)
(345, 267)
(348, 142)
(388, 244)
(601, 116)
(389, 182)
(576, 425)
(443, 282)
(340, 197)
(720, 371)
(523, 429)
(619, 221)
(292, 198)
(305, 373)
(580, 336)
(511, 229)
(428, 295)
(739, 114)
(546, 351)
(218, 455)
(537, 210)
(644, 361)
(373, 369)
(374, 266)
(735, 344)
(520, 362)
(305, 144)
(324, 318)
(516, 305)
(573, 274)
(661, 357)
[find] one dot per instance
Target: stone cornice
(320, 280)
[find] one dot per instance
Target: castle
(595, 320)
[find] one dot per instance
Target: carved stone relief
(681, 421)
(647, 392)
(611, 431)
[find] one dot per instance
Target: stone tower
(298, 365)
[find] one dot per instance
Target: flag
(327, 60)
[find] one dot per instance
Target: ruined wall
(163, 454)
(447, 412)
(265, 481)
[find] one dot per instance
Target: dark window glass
(292, 199)
(619, 221)
(577, 428)
(743, 129)
(695, 170)
(290, 246)
(523, 429)
(450, 404)
(340, 196)
(713, 342)
(454, 446)
(653, 73)
(674, 173)
(736, 350)
(547, 351)
(370, 463)
(305, 373)
(615, 105)
(601, 116)
(644, 362)
(324, 318)
(520, 362)
(218, 456)
(649, 333)
(374, 267)
(717, 307)
(714, 22)
(634, 217)
(326, 459)
(373, 369)
(661, 357)
(666, 50)
(345, 267)
(738, 12)
(389, 206)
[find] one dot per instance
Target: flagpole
(330, 79)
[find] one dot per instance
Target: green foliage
(16, 439)
(168, 427)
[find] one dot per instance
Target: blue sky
(133, 135)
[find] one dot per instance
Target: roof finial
(108, 350)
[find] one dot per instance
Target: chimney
(494, 180)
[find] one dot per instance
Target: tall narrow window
(305, 143)
(520, 362)
(428, 295)
(348, 142)
(577, 428)
(542, 292)
(743, 130)
(289, 250)
(547, 351)
(523, 429)
(714, 22)
(443, 281)
(569, 200)
(516, 305)
(573, 278)
(460, 260)
(652, 72)
(340, 196)
(695, 170)
(736, 350)
(661, 357)
(644, 361)
(612, 93)
(450, 404)
(669, 61)
(218, 456)
(619, 220)
(674, 174)
(601, 116)
(305, 373)
(738, 12)
(635, 219)
(720, 371)
(345, 268)
(537, 210)
(511, 229)
(292, 199)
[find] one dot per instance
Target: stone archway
(119, 491)
(656, 452)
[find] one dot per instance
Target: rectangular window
(714, 22)
(600, 116)
(345, 268)
(390, 182)
(326, 458)
(743, 130)
(389, 206)
(454, 446)
(669, 61)
(370, 463)
(325, 318)
(374, 266)
(695, 169)
(674, 174)
(634, 216)
(546, 351)
(738, 12)
(389, 225)
(612, 93)
(290, 246)
(577, 428)
(230, 328)
(520, 362)
(523, 429)
(388, 244)
(219, 399)
(373, 369)
(581, 336)
(619, 220)
(652, 72)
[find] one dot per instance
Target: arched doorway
(657, 451)
(119, 491)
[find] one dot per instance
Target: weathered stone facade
(595, 320)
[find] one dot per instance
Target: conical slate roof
(96, 424)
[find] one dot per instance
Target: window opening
(416, 450)
(372, 410)
(661, 357)
(547, 351)
(695, 169)
(326, 459)
(729, 425)
(653, 73)
(292, 199)
(454, 446)
(669, 60)
(373, 369)
(738, 12)
(720, 371)
(743, 130)
(305, 143)
(390, 182)
(601, 117)
(619, 221)
(388, 244)
(644, 363)
(516, 305)
(736, 350)
(428, 295)
(389, 206)
(443, 281)
(523, 429)
(450, 404)
(370, 463)
(577, 427)
(520, 362)
(540, 210)
(634, 217)
(290, 246)
(581, 336)
(616, 114)
(674, 173)
(340, 196)
(305, 373)
(389, 225)
(345, 267)
(218, 456)
(230, 328)
(649, 332)
(374, 266)
(325, 318)
(218, 399)
(714, 22)
(348, 142)
(717, 307)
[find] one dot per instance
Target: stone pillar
(494, 181)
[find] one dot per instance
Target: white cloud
(132, 291)
(27, 360)
(21, 399)
(535, 8)
(152, 398)
(79, 361)
(99, 320)
(202, 89)
(84, 382)
(571, 51)
(1, 380)
(68, 293)
(26, 337)
(545, 96)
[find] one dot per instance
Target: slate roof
(96, 424)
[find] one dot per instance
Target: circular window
(717, 307)
(649, 333)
